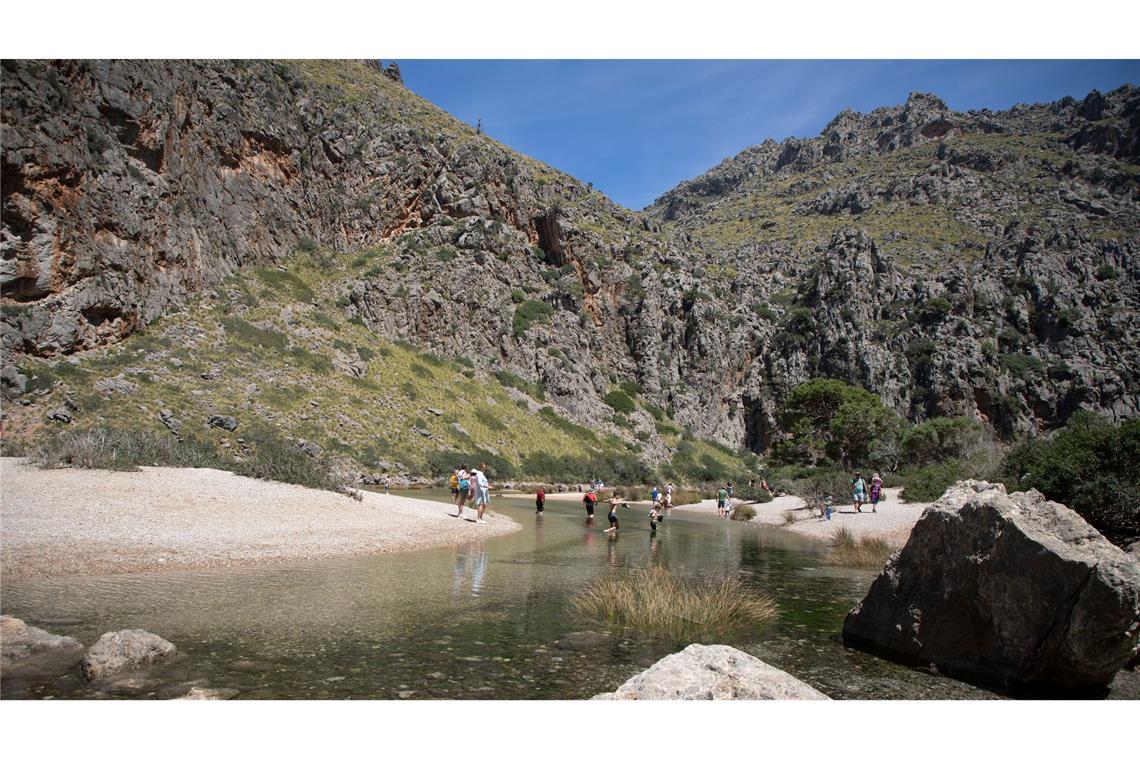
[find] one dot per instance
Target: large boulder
(1009, 589)
(26, 650)
(120, 651)
(713, 672)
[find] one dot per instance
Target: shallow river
(478, 621)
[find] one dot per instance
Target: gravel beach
(892, 522)
(92, 522)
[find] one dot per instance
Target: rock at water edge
(713, 672)
(26, 650)
(124, 650)
(1009, 589)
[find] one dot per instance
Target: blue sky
(637, 128)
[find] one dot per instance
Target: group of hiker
(471, 487)
(861, 495)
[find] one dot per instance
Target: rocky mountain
(974, 263)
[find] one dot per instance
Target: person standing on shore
(464, 483)
(668, 495)
(387, 484)
(482, 493)
(540, 500)
(876, 491)
(454, 485)
(858, 492)
(722, 502)
(656, 495)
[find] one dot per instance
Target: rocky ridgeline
(979, 264)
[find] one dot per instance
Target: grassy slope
(281, 347)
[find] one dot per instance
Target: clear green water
(478, 621)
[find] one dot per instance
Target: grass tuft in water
(657, 603)
(743, 512)
(848, 551)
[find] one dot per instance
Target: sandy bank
(84, 522)
(892, 523)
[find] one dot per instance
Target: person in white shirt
(482, 492)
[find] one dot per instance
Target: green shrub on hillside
(244, 332)
(939, 439)
(619, 401)
(1021, 366)
(286, 282)
(527, 313)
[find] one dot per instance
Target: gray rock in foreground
(1009, 589)
(26, 650)
(713, 672)
(124, 650)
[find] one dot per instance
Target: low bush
(619, 401)
(655, 602)
(125, 450)
(743, 512)
(115, 449)
(527, 313)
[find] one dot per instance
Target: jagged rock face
(130, 185)
(713, 672)
(979, 264)
(1007, 589)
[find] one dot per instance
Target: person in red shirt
(590, 500)
(539, 500)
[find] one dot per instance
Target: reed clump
(849, 551)
(743, 512)
(656, 602)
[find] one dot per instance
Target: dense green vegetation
(1090, 466)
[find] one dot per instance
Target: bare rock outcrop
(1009, 589)
(713, 672)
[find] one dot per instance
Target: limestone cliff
(978, 263)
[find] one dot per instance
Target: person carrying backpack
(590, 500)
(464, 483)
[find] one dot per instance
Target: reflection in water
(611, 555)
(470, 564)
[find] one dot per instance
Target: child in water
(614, 501)
(654, 516)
